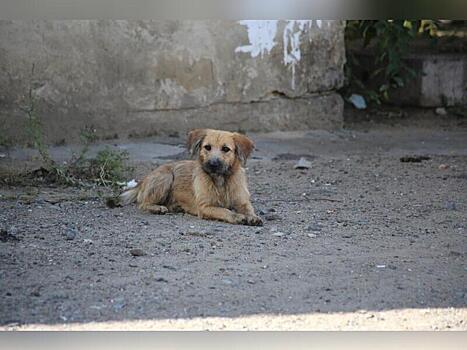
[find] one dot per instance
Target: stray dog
(213, 186)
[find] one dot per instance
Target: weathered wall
(148, 77)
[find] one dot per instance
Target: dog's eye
(207, 147)
(225, 149)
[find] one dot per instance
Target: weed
(107, 169)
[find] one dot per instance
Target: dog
(213, 186)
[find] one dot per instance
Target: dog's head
(219, 152)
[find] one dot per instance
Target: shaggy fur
(213, 186)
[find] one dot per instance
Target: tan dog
(212, 187)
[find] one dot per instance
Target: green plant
(34, 125)
(390, 43)
(108, 168)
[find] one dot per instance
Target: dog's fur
(213, 186)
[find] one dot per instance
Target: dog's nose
(214, 164)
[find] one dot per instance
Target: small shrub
(109, 167)
(390, 42)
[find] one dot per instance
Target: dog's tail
(129, 196)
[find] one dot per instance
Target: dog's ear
(194, 140)
(243, 147)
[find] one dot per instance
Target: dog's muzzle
(214, 166)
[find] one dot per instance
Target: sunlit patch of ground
(404, 319)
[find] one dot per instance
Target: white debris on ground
(302, 164)
(130, 184)
(441, 111)
(358, 101)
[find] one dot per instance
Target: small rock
(443, 167)
(358, 101)
(314, 228)
(132, 265)
(311, 235)
(251, 281)
(71, 234)
(137, 252)
(441, 111)
(227, 281)
(451, 206)
(380, 266)
(88, 241)
(272, 217)
(161, 279)
(278, 234)
(118, 303)
(303, 164)
(36, 293)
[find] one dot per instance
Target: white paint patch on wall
(261, 35)
(291, 41)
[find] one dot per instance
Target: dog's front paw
(254, 220)
(239, 219)
(250, 220)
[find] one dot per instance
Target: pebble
(137, 252)
(443, 167)
(303, 164)
(311, 235)
(118, 303)
(451, 206)
(278, 234)
(71, 234)
(227, 281)
(251, 281)
(314, 227)
(272, 217)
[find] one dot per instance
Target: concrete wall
(138, 78)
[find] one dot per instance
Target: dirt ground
(361, 240)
